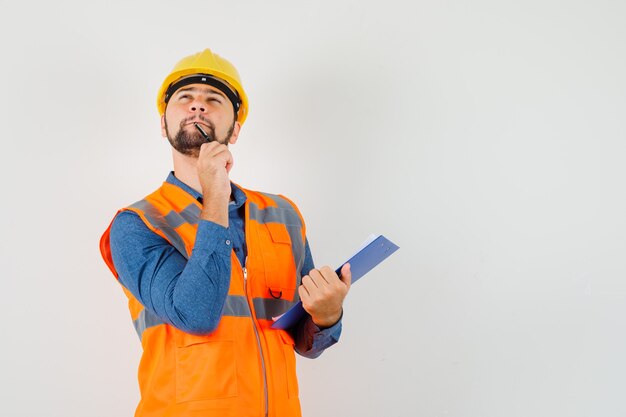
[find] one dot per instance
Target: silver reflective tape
(236, 306)
(146, 320)
(283, 215)
(296, 294)
(268, 308)
(173, 219)
(190, 214)
(157, 220)
(297, 247)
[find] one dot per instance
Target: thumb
(346, 275)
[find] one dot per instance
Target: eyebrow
(204, 90)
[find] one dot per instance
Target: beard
(189, 142)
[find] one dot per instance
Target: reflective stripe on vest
(234, 305)
(146, 320)
(268, 308)
(169, 222)
(265, 308)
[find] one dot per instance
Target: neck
(185, 168)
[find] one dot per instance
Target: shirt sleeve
(310, 340)
(189, 293)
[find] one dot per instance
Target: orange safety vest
(244, 367)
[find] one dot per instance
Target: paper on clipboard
(373, 251)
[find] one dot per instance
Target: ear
(163, 130)
(235, 135)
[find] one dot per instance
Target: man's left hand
(322, 293)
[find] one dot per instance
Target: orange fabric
(223, 373)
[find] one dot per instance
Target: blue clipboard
(361, 263)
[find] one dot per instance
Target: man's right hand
(214, 164)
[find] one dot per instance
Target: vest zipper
(256, 333)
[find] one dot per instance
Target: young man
(206, 264)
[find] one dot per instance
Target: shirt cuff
(212, 237)
(334, 330)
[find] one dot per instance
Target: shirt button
(227, 242)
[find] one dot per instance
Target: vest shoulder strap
(169, 212)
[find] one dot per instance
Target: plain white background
(486, 138)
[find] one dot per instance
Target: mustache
(199, 117)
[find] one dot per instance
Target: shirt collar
(238, 195)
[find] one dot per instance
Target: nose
(197, 106)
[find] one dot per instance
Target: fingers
(214, 156)
(320, 277)
(346, 275)
(214, 149)
(325, 281)
(327, 276)
(311, 282)
(304, 294)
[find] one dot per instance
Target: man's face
(202, 104)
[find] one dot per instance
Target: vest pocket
(290, 364)
(278, 260)
(205, 369)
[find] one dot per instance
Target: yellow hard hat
(221, 74)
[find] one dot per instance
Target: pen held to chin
(202, 132)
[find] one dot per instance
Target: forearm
(188, 294)
(194, 301)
